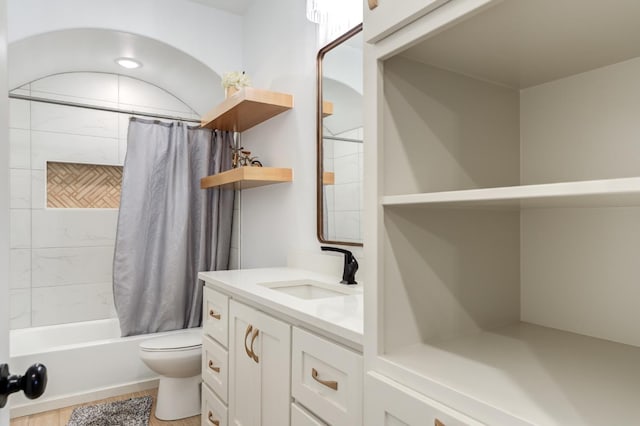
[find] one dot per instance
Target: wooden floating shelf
(247, 108)
(327, 108)
(247, 177)
(328, 178)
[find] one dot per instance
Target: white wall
(61, 259)
(280, 55)
(344, 64)
(4, 204)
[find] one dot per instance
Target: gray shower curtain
(168, 228)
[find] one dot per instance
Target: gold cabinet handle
(211, 366)
(328, 383)
(211, 419)
(438, 423)
(246, 335)
(213, 314)
(253, 339)
(373, 4)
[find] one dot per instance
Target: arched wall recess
(95, 50)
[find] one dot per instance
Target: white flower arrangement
(235, 79)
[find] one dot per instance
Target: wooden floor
(61, 417)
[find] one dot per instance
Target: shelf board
(605, 193)
(327, 108)
(247, 177)
(247, 108)
(540, 374)
(328, 178)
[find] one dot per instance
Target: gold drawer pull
(246, 334)
(328, 383)
(373, 4)
(214, 422)
(216, 369)
(438, 423)
(213, 314)
(253, 353)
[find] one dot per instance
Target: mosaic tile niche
(86, 186)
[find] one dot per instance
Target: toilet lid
(183, 340)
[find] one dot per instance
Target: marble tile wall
(61, 259)
(344, 198)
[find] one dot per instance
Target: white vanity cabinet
(287, 361)
(503, 212)
(383, 17)
(259, 367)
(215, 372)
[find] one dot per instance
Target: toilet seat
(172, 343)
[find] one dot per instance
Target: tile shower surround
(61, 259)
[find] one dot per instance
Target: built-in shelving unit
(247, 108)
(248, 177)
(557, 378)
(506, 212)
(239, 112)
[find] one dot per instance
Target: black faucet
(350, 265)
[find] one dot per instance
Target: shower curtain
(168, 228)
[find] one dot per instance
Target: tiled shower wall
(61, 259)
(344, 198)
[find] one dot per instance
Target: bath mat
(128, 412)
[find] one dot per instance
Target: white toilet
(177, 359)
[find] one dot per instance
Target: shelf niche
(508, 240)
(247, 177)
(247, 108)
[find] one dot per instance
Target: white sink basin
(309, 289)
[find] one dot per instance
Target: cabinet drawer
(215, 371)
(391, 404)
(391, 15)
(301, 417)
(215, 311)
(214, 412)
(327, 379)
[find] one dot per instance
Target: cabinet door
(390, 404)
(244, 388)
(390, 15)
(259, 368)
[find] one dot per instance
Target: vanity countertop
(340, 317)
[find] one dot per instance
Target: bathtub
(85, 361)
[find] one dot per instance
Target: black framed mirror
(339, 140)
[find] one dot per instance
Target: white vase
(229, 91)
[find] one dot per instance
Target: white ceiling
(94, 50)
(239, 7)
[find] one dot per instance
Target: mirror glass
(340, 141)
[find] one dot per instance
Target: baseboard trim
(80, 398)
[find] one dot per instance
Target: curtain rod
(335, 138)
(100, 108)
